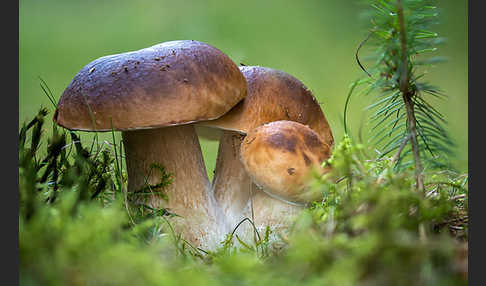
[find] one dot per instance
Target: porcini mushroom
(281, 158)
(153, 95)
(272, 95)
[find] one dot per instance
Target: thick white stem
(274, 213)
(240, 198)
(189, 195)
(231, 184)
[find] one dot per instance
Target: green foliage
(405, 123)
(362, 233)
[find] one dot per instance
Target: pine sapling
(404, 121)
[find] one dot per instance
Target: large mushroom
(272, 95)
(281, 157)
(153, 95)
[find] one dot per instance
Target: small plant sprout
(406, 126)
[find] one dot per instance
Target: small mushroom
(155, 110)
(281, 158)
(272, 95)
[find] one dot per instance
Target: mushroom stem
(176, 149)
(274, 213)
(240, 198)
(231, 184)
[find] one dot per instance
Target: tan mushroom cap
(280, 157)
(273, 95)
(171, 83)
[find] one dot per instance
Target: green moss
(362, 233)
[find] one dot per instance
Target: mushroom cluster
(273, 134)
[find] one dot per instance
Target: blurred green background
(314, 40)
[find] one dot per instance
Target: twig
(458, 197)
(407, 98)
(357, 51)
(394, 158)
(402, 146)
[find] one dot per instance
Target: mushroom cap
(171, 83)
(273, 95)
(281, 156)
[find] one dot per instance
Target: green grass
(362, 233)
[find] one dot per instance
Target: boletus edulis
(153, 96)
(272, 95)
(281, 158)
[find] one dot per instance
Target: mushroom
(281, 158)
(153, 95)
(272, 95)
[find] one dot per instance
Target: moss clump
(362, 233)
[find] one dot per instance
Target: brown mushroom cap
(273, 95)
(280, 157)
(171, 83)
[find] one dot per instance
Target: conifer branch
(407, 99)
(404, 120)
